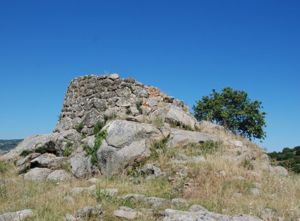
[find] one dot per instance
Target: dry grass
(217, 184)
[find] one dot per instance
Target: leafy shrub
(41, 150)
(233, 110)
(209, 147)
(25, 153)
(288, 158)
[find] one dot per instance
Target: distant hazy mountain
(7, 145)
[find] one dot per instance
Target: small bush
(209, 147)
(41, 150)
(176, 124)
(101, 195)
(159, 147)
(68, 149)
(25, 153)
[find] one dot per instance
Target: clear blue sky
(186, 48)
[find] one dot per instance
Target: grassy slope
(216, 183)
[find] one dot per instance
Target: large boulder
(81, 165)
(175, 115)
(30, 144)
(121, 133)
(59, 175)
(127, 142)
(47, 160)
(37, 174)
(113, 161)
(184, 137)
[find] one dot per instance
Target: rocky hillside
(126, 151)
(7, 145)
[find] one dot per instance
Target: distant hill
(288, 158)
(7, 145)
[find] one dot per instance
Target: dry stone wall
(91, 99)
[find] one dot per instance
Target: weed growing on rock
(92, 151)
(98, 127)
(79, 127)
(138, 105)
(68, 149)
(159, 147)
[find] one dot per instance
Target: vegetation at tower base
(233, 110)
(288, 158)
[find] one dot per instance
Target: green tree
(233, 110)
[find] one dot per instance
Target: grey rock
(59, 175)
(80, 190)
(105, 156)
(177, 215)
(93, 180)
(47, 160)
(17, 216)
(124, 92)
(122, 133)
(24, 164)
(183, 137)
(89, 211)
(120, 159)
(69, 217)
(126, 213)
(175, 115)
(197, 208)
(267, 214)
(90, 141)
(156, 201)
(112, 192)
(179, 202)
(279, 170)
(114, 76)
(29, 144)
(37, 174)
(151, 170)
(134, 197)
(81, 165)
